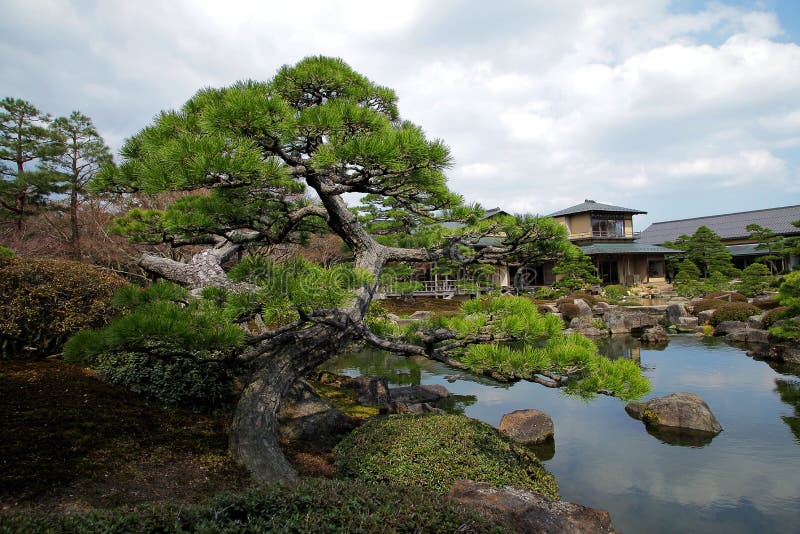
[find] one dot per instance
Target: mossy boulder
(433, 451)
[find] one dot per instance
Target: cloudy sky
(682, 108)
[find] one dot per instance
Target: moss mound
(314, 505)
(433, 451)
(43, 302)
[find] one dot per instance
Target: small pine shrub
(44, 301)
(614, 293)
(733, 311)
(6, 253)
(547, 293)
(433, 451)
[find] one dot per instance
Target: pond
(746, 479)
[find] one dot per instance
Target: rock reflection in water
(789, 391)
(544, 451)
(681, 437)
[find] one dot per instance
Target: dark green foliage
(6, 253)
(789, 390)
(770, 304)
(313, 505)
(576, 269)
(614, 293)
(164, 349)
(687, 281)
(590, 299)
(733, 311)
(705, 249)
(770, 243)
(43, 302)
(716, 282)
(789, 292)
(433, 451)
(755, 279)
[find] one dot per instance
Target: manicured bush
(706, 304)
(569, 310)
(6, 253)
(313, 505)
(614, 293)
(776, 314)
(755, 279)
(789, 292)
(164, 348)
(433, 451)
(733, 311)
(787, 330)
(770, 304)
(547, 293)
(728, 296)
(44, 301)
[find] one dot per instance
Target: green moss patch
(433, 451)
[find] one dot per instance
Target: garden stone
(756, 321)
(584, 309)
(728, 327)
(655, 335)
(674, 312)
(418, 394)
(522, 510)
(615, 321)
(704, 317)
(420, 315)
(371, 391)
(548, 308)
(601, 307)
(749, 335)
(687, 324)
(306, 417)
(679, 410)
(526, 427)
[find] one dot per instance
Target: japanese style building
(605, 233)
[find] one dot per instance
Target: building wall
(628, 226)
(580, 224)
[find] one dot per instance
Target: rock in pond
(371, 391)
(527, 427)
(679, 410)
(656, 335)
(522, 510)
(675, 312)
(728, 327)
(304, 416)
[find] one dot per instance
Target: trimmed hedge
(733, 311)
(314, 505)
(706, 304)
(776, 314)
(433, 451)
(43, 302)
(726, 296)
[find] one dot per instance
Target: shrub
(789, 292)
(755, 279)
(770, 304)
(6, 253)
(433, 451)
(733, 311)
(547, 293)
(313, 505)
(706, 304)
(789, 330)
(776, 314)
(43, 302)
(729, 296)
(163, 349)
(716, 281)
(614, 293)
(569, 310)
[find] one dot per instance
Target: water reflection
(789, 391)
(744, 480)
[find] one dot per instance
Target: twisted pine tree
(269, 162)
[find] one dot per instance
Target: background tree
(267, 163)
(769, 242)
(24, 141)
(82, 156)
(577, 271)
(755, 279)
(705, 249)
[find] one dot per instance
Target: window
(608, 226)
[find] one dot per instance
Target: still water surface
(747, 479)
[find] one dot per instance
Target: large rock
(749, 335)
(679, 410)
(418, 394)
(615, 321)
(371, 391)
(704, 317)
(305, 417)
(584, 310)
(656, 335)
(585, 326)
(756, 321)
(675, 311)
(686, 324)
(601, 307)
(527, 427)
(622, 320)
(521, 510)
(729, 327)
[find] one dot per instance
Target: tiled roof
(625, 248)
(588, 206)
(727, 226)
